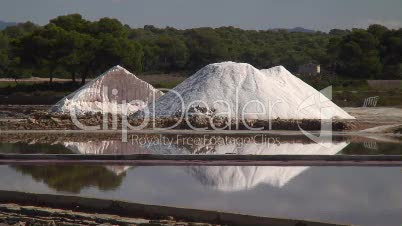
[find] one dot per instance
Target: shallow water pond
(349, 195)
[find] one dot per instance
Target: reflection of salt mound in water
(236, 178)
(249, 147)
(278, 149)
(105, 147)
(118, 170)
(225, 178)
(238, 84)
(100, 94)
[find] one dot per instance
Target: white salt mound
(107, 92)
(242, 86)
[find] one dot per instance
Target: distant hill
(296, 29)
(301, 29)
(6, 24)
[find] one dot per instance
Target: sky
(247, 14)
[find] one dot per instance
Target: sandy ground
(378, 119)
(378, 114)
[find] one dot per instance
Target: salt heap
(241, 86)
(107, 92)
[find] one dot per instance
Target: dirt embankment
(13, 214)
(100, 211)
(36, 117)
(42, 120)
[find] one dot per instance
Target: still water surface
(254, 145)
(350, 195)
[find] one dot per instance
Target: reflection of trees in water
(73, 178)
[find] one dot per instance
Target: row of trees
(72, 46)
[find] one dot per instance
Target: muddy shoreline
(89, 208)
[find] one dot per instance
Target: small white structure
(370, 101)
(108, 93)
(309, 69)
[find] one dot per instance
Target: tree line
(72, 46)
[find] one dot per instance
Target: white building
(309, 69)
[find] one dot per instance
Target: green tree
(205, 47)
(118, 51)
(72, 22)
(20, 30)
(4, 50)
(109, 26)
(87, 57)
(173, 53)
(338, 32)
(78, 49)
(358, 55)
(44, 49)
(377, 30)
(391, 54)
